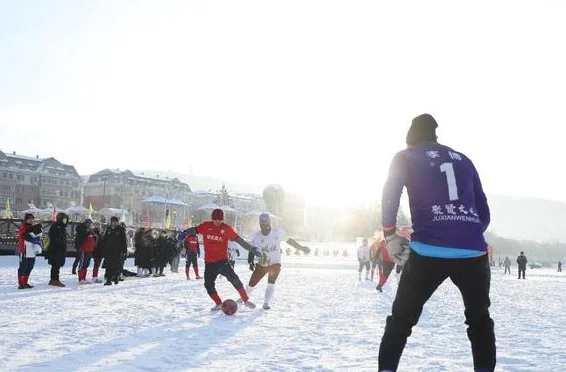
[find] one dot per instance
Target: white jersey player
(268, 241)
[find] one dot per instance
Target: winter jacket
(57, 250)
(32, 240)
(97, 253)
(522, 261)
(22, 231)
(114, 247)
(383, 253)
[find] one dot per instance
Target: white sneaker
(216, 308)
(96, 280)
(82, 281)
(249, 304)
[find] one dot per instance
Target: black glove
(256, 252)
(306, 249)
(252, 266)
(238, 252)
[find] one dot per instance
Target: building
(113, 188)
(25, 180)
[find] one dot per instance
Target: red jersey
(373, 251)
(215, 240)
(191, 244)
(89, 243)
(385, 256)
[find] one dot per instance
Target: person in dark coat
(140, 255)
(57, 250)
(97, 254)
(522, 262)
(80, 235)
(114, 247)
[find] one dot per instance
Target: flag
(167, 219)
(54, 213)
(89, 210)
(8, 210)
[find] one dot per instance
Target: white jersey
(270, 246)
(363, 253)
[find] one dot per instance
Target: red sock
(25, 280)
(196, 270)
(187, 271)
(95, 272)
(20, 280)
(216, 298)
(243, 294)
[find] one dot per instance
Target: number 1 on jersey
(448, 168)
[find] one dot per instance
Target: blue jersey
(448, 206)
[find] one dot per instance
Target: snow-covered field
(322, 319)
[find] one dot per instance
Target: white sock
(249, 290)
(269, 293)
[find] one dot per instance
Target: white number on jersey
(448, 168)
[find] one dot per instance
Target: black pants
(362, 265)
(191, 260)
(55, 271)
(76, 262)
(212, 270)
(26, 265)
(85, 260)
(421, 277)
(522, 270)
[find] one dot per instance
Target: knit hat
(217, 215)
(114, 218)
(423, 128)
(87, 221)
(27, 216)
(264, 218)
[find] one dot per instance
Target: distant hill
(528, 218)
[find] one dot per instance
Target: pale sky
(314, 95)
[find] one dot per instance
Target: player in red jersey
(216, 235)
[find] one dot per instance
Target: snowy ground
(322, 319)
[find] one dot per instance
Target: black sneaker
(108, 283)
(28, 286)
(21, 286)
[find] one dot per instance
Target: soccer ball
(229, 307)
